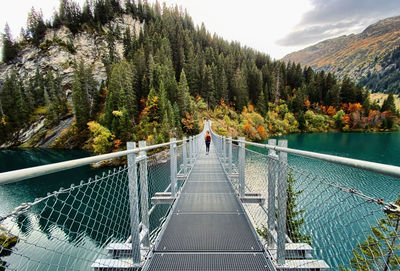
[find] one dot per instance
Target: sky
(275, 27)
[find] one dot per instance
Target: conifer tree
(36, 28)
(293, 222)
(261, 105)
(121, 92)
(388, 104)
(380, 250)
(83, 88)
(183, 95)
(239, 90)
(9, 47)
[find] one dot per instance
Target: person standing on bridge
(207, 139)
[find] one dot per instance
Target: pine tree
(12, 102)
(36, 28)
(380, 250)
(183, 95)
(121, 92)
(388, 104)
(9, 47)
(293, 222)
(261, 105)
(83, 88)
(239, 90)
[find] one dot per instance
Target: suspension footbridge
(182, 209)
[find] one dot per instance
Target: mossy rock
(7, 241)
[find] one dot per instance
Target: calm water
(78, 224)
(338, 220)
(53, 231)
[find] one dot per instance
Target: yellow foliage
(3, 120)
(103, 139)
(117, 113)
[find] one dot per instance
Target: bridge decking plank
(208, 229)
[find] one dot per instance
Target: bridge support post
(230, 156)
(191, 151)
(172, 151)
(242, 153)
(133, 204)
(224, 150)
(185, 165)
(282, 197)
(272, 173)
(144, 194)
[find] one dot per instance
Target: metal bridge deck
(208, 228)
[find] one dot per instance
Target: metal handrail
(27, 173)
(389, 170)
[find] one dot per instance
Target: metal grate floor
(208, 261)
(208, 228)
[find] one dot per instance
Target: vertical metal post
(224, 150)
(230, 156)
(190, 150)
(272, 173)
(133, 203)
(185, 165)
(282, 197)
(242, 158)
(144, 194)
(172, 150)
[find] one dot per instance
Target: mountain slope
(359, 56)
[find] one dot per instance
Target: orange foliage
(188, 122)
(117, 143)
(251, 108)
(261, 132)
(331, 111)
(346, 119)
(307, 103)
(247, 128)
(354, 107)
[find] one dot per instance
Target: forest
(172, 75)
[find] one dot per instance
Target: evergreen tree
(121, 92)
(293, 222)
(83, 88)
(36, 28)
(380, 249)
(9, 47)
(14, 109)
(239, 90)
(389, 105)
(262, 107)
(183, 95)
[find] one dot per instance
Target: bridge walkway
(208, 228)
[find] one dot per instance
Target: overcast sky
(276, 27)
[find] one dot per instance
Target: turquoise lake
(382, 148)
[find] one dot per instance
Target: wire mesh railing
(102, 222)
(324, 218)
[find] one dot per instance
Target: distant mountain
(372, 57)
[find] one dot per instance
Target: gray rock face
(25, 134)
(58, 52)
(54, 54)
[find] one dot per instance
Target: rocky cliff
(58, 52)
(60, 49)
(357, 55)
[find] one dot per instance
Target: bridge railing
(307, 215)
(108, 221)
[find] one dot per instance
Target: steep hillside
(61, 49)
(107, 73)
(364, 56)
